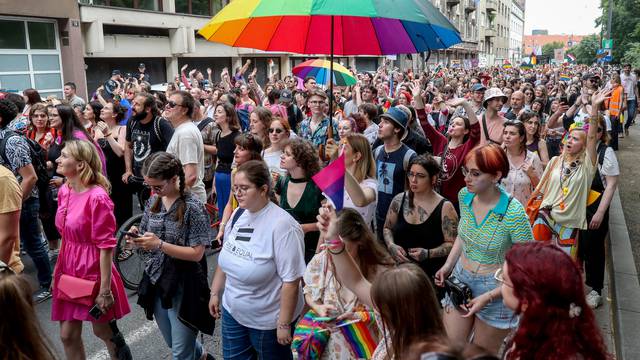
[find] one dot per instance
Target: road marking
(131, 339)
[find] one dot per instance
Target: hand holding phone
(95, 312)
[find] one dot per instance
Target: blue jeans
(242, 343)
(31, 238)
(632, 105)
(181, 339)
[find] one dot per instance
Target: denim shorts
(495, 313)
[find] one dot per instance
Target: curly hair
(547, 284)
(305, 155)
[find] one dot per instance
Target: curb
(624, 288)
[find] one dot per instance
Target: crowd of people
(474, 200)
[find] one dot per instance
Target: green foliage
(632, 56)
(547, 49)
(585, 51)
(625, 26)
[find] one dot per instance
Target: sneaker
(594, 299)
(41, 295)
(626, 131)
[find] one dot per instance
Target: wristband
(160, 245)
(284, 326)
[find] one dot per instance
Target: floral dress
(323, 287)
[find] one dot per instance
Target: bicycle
(126, 259)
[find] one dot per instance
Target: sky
(562, 16)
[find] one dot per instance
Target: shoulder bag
(70, 288)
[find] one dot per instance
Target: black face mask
(139, 116)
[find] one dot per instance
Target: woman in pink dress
(87, 224)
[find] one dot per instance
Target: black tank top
(427, 235)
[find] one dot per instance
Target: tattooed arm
(397, 252)
(449, 226)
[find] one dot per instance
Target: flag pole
(330, 129)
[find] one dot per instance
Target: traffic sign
(607, 43)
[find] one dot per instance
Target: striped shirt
(488, 242)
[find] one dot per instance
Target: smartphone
(95, 312)
(133, 235)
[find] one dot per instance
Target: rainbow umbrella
(336, 27)
(320, 69)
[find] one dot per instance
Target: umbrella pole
(330, 130)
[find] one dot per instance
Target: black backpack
(38, 160)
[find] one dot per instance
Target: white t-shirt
(367, 211)
(629, 82)
(186, 144)
(260, 252)
(609, 166)
(273, 161)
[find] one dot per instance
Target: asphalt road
(629, 186)
(143, 336)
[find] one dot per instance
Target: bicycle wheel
(127, 260)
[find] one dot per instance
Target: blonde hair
(91, 174)
(366, 167)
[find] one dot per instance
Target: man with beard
(147, 133)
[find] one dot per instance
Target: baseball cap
(141, 65)
(399, 117)
(478, 87)
(286, 96)
(115, 72)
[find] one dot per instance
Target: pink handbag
(77, 290)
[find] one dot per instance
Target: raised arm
(597, 100)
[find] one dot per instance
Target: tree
(547, 49)
(632, 56)
(625, 25)
(585, 51)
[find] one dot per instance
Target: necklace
(566, 173)
(298, 181)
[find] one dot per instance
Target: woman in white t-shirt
(360, 177)
(259, 267)
(279, 132)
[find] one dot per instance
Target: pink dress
(89, 226)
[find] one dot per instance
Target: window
(155, 5)
(30, 56)
(200, 7)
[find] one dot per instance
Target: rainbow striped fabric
(358, 334)
(309, 340)
(565, 77)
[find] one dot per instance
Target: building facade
(40, 46)
(516, 31)
(495, 18)
(534, 43)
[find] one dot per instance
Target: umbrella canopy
(320, 69)
(361, 27)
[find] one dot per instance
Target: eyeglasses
(416, 175)
(241, 189)
(155, 188)
(466, 172)
(499, 276)
(172, 104)
(276, 130)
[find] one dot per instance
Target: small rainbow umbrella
(320, 69)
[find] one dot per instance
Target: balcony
(490, 32)
(451, 3)
(470, 6)
(492, 5)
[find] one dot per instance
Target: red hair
(547, 283)
(490, 159)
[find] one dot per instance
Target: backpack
(38, 160)
(243, 115)
(405, 160)
(156, 130)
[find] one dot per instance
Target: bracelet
(213, 293)
(160, 245)
(337, 253)
(222, 224)
(108, 294)
(284, 326)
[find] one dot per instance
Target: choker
(298, 181)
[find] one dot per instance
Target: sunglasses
(172, 104)
(499, 276)
(276, 130)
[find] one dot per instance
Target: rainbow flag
(309, 337)
(506, 65)
(565, 77)
(524, 66)
(331, 181)
(358, 334)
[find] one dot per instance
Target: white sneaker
(594, 299)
